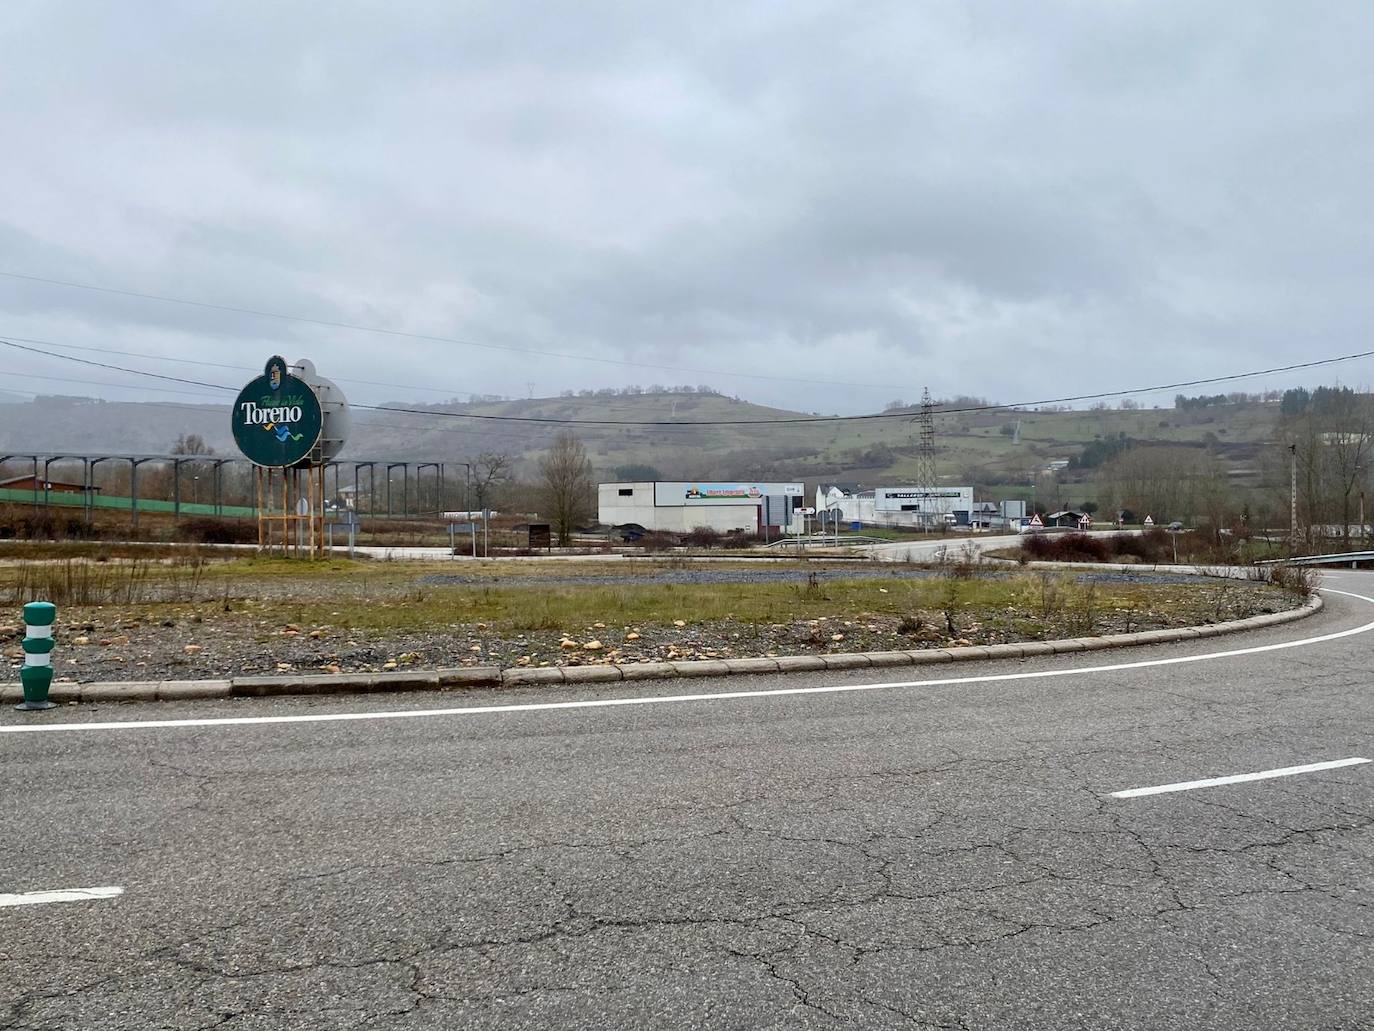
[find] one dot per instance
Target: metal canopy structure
(366, 499)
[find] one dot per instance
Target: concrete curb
(493, 676)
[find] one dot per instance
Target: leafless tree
(191, 444)
(1167, 483)
(491, 471)
(1333, 441)
(565, 474)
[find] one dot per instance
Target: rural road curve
(935, 855)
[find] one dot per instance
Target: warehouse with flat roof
(680, 506)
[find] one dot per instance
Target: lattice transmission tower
(925, 443)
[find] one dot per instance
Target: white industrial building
(896, 506)
(680, 506)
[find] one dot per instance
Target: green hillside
(983, 448)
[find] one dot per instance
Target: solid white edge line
(606, 703)
(39, 898)
(1240, 778)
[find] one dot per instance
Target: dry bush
(209, 530)
(658, 540)
(1300, 580)
(1082, 609)
(702, 537)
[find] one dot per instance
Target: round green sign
(277, 418)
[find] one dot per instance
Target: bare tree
(565, 473)
(191, 444)
(1332, 434)
(491, 471)
(1167, 483)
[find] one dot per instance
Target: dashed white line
(716, 696)
(40, 898)
(1240, 778)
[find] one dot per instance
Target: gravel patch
(202, 641)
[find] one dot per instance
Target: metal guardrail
(828, 541)
(1352, 557)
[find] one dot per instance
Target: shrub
(740, 539)
(218, 531)
(702, 537)
(1299, 580)
(1079, 547)
(1071, 547)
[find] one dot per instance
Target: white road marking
(607, 703)
(1239, 778)
(39, 898)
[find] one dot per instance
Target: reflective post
(36, 676)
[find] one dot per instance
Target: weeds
(1049, 593)
(1300, 580)
(133, 582)
(1082, 610)
(949, 605)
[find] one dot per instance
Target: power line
(431, 338)
(102, 383)
(451, 392)
(790, 420)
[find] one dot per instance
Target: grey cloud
(956, 196)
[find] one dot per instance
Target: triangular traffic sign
(1035, 520)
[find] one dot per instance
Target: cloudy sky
(823, 206)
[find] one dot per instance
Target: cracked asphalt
(937, 856)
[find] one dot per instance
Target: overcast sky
(1014, 200)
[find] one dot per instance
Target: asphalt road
(931, 855)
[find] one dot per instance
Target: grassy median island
(189, 615)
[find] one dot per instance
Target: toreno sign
(923, 499)
(277, 419)
(686, 492)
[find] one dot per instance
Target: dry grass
(127, 582)
(1025, 600)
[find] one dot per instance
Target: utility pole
(1293, 498)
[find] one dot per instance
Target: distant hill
(983, 448)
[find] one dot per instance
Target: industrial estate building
(680, 506)
(914, 507)
(897, 506)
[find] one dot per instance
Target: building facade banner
(923, 499)
(693, 493)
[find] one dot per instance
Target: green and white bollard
(36, 676)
